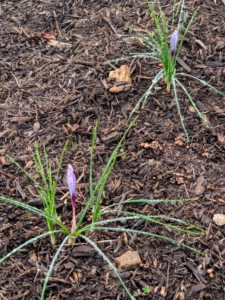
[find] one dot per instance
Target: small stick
(15, 79)
(46, 1)
(56, 23)
(108, 21)
(8, 175)
(4, 133)
(196, 273)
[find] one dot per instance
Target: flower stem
(52, 238)
(72, 239)
(168, 87)
(74, 220)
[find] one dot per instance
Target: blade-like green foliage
(156, 41)
(109, 263)
(29, 242)
(51, 266)
(36, 211)
(47, 191)
(99, 218)
(101, 183)
(151, 235)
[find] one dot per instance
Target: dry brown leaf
(221, 138)
(18, 30)
(58, 44)
(191, 109)
(163, 291)
(48, 35)
(200, 187)
(4, 160)
(32, 255)
(29, 149)
(72, 127)
(29, 164)
(2, 297)
(36, 126)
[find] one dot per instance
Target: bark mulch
(44, 87)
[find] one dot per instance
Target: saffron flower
(71, 181)
(173, 41)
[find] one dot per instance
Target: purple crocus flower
(71, 181)
(173, 41)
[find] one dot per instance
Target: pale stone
(116, 89)
(219, 219)
(121, 75)
(128, 259)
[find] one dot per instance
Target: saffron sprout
(173, 41)
(167, 55)
(71, 181)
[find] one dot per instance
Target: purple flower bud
(71, 181)
(173, 41)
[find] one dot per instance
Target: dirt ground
(44, 87)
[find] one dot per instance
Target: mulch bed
(45, 87)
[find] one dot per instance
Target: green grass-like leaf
(152, 235)
(157, 44)
(47, 194)
(48, 190)
(101, 181)
(109, 263)
(28, 242)
(51, 267)
(153, 220)
(36, 211)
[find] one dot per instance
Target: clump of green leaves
(167, 53)
(47, 190)
(100, 219)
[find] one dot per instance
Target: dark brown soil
(43, 87)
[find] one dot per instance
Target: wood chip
(2, 297)
(111, 137)
(220, 45)
(82, 250)
(123, 274)
(58, 44)
(183, 64)
(221, 138)
(196, 273)
(200, 187)
(213, 63)
(36, 126)
(201, 44)
(69, 265)
(20, 190)
(198, 288)
(4, 132)
(18, 119)
(4, 160)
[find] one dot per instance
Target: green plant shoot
(166, 53)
